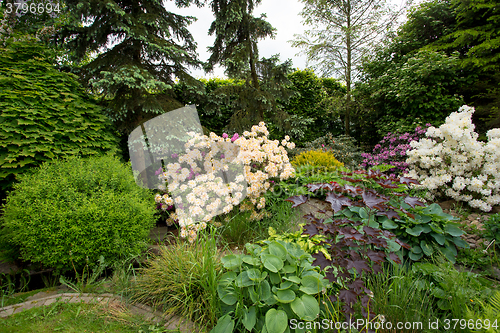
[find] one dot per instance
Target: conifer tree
(237, 32)
(129, 53)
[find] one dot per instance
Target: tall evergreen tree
(237, 32)
(129, 53)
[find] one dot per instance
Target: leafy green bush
(266, 288)
(45, 113)
(427, 229)
(76, 210)
(321, 160)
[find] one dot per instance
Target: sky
(281, 14)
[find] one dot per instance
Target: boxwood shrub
(76, 209)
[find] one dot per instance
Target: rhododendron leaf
(337, 201)
(297, 200)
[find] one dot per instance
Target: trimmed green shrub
(321, 160)
(45, 113)
(74, 211)
(343, 147)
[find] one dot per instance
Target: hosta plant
(426, 229)
(309, 244)
(264, 289)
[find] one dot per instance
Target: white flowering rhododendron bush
(217, 192)
(205, 176)
(451, 162)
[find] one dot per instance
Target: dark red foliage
(354, 247)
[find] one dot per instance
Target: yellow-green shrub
(317, 158)
(310, 245)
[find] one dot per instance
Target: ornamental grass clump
(393, 150)
(182, 280)
(451, 163)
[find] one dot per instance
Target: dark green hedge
(44, 113)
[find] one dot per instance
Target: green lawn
(77, 318)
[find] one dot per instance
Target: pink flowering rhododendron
(392, 150)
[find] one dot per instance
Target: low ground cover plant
(451, 163)
(264, 289)
(70, 212)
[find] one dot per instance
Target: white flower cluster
(211, 177)
(451, 162)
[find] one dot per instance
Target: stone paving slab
(173, 322)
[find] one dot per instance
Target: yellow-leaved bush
(320, 159)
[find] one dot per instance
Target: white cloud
(282, 14)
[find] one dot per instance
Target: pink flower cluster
(392, 150)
